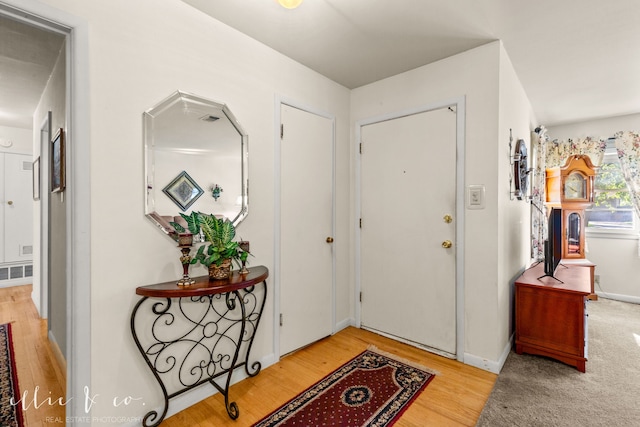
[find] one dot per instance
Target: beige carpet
(537, 391)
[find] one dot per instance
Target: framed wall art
(183, 190)
(57, 162)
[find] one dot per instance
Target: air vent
(16, 272)
(4, 273)
(209, 118)
(28, 270)
(27, 250)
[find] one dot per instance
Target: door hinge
(360, 222)
(360, 296)
(280, 319)
(360, 149)
(281, 130)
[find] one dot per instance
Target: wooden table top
(205, 286)
(576, 278)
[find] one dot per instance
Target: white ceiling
(27, 57)
(577, 59)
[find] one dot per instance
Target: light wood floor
(455, 397)
(35, 361)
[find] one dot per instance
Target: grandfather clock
(570, 187)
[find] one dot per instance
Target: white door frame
(78, 192)
(279, 102)
(459, 105)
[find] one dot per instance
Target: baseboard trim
(344, 324)
(619, 297)
(57, 354)
(9, 283)
(490, 365)
(198, 394)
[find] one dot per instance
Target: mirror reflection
(195, 160)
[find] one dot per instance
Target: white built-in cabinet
(16, 219)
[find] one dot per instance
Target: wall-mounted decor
(57, 162)
(215, 191)
(188, 132)
(183, 190)
(36, 179)
(520, 170)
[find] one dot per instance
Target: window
(612, 210)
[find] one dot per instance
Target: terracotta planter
(221, 272)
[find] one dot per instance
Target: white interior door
(18, 208)
(306, 225)
(408, 186)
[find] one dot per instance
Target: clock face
(575, 187)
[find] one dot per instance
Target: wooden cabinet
(551, 317)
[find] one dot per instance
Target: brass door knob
(10, 202)
(448, 218)
(447, 244)
(329, 239)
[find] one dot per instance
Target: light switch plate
(475, 196)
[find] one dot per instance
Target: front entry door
(408, 188)
(306, 222)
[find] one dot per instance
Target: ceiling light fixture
(290, 4)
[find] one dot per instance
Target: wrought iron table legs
(194, 340)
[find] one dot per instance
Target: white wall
(18, 140)
(514, 230)
(489, 262)
(600, 128)
(617, 259)
(139, 54)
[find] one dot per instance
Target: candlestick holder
(244, 245)
(184, 243)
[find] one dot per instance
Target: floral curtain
(628, 147)
(559, 151)
(539, 141)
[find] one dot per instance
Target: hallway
(40, 378)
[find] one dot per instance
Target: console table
(551, 316)
(191, 335)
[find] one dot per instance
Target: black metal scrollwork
(193, 340)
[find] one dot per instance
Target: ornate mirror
(195, 160)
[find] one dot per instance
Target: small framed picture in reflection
(57, 162)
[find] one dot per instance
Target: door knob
(448, 218)
(447, 244)
(10, 202)
(329, 239)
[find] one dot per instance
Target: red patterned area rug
(373, 389)
(10, 414)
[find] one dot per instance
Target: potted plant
(221, 250)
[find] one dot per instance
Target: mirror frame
(148, 138)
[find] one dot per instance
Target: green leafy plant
(219, 233)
